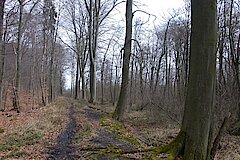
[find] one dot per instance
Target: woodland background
(44, 41)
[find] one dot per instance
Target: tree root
(94, 108)
(174, 149)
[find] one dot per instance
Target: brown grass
(28, 134)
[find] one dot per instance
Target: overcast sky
(160, 8)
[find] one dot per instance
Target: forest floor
(70, 129)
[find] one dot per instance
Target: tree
(51, 16)
(122, 100)
(2, 3)
(234, 52)
(97, 11)
(18, 58)
(195, 138)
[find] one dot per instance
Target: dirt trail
(103, 138)
(64, 148)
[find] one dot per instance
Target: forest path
(74, 129)
(105, 137)
(64, 148)
(87, 137)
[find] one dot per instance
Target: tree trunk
(237, 75)
(2, 54)
(158, 72)
(115, 86)
(234, 53)
(121, 105)
(77, 78)
(33, 71)
(61, 82)
(18, 60)
(83, 84)
(92, 81)
(186, 58)
(131, 85)
(165, 52)
(194, 141)
(50, 82)
(92, 58)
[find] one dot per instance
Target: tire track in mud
(64, 149)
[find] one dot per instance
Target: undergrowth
(20, 137)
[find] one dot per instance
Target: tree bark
(16, 104)
(165, 52)
(194, 141)
(90, 50)
(2, 54)
(201, 89)
(77, 78)
(121, 105)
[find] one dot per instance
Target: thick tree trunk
(237, 76)
(2, 55)
(194, 141)
(122, 101)
(201, 88)
(186, 57)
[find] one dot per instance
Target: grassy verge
(37, 130)
(119, 131)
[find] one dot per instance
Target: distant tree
(79, 23)
(97, 11)
(234, 54)
(195, 138)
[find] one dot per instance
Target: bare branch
(149, 15)
(114, 5)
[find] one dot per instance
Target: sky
(162, 6)
(161, 9)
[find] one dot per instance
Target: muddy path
(93, 143)
(103, 141)
(64, 148)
